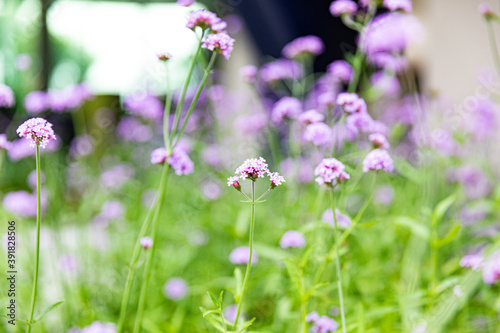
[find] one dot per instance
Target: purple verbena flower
(36, 102)
(252, 169)
(180, 162)
(98, 327)
(307, 45)
(116, 176)
(185, 3)
(82, 145)
(404, 5)
(240, 256)
(312, 317)
(340, 71)
(351, 102)
(325, 324)
(379, 141)
(359, 122)
(280, 69)
(205, 19)
(175, 288)
(4, 143)
(485, 10)
(286, 108)
(378, 159)
(159, 156)
(38, 131)
(7, 99)
(330, 171)
(341, 7)
(343, 221)
(145, 105)
(491, 268)
(310, 117)
(319, 134)
(276, 179)
(219, 42)
(146, 242)
(292, 239)
(131, 129)
(24, 204)
(248, 73)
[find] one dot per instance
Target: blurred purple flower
(491, 268)
(82, 145)
(292, 238)
(146, 242)
(280, 69)
(307, 45)
(116, 176)
(23, 62)
(219, 42)
(343, 221)
(311, 116)
(384, 195)
(319, 134)
(340, 71)
(230, 313)
(476, 183)
(145, 105)
(385, 83)
(175, 288)
(325, 324)
(251, 124)
(482, 120)
(378, 159)
(286, 108)
(205, 19)
(474, 261)
(472, 214)
(131, 129)
(330, 171)
(68, 264)
(180, 162)
(158, 156)
(404, 5)
(112, 210)
(211, 190)
(185, 3)
(4, 143)
(248, 73)
(359, 122)
(351, 103)
(36, 102)
(7, 99)
(98, 327)
(240, 256)
(341, 7)
(32, 179)
(312, 317)
(379, 141)
(24, 204)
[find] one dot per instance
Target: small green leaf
(206, 313)
(44, 313)
(246, 325)
(441, 209)
(214, 300)
(448, 238)
(18, 320)
(221, 298)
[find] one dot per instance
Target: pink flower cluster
(292, 239)
(323, 324)
(307, 45)
(6, 96)
(67, 99)
(342, 7)
(490, 265)
(378, 159)
(286, 108)
(220, 42)
(351, 102)
(330, 171)
(178, 160)
(145, 105)
(340, 71)
(404, 5)
(38, 130)
(253, 169)
(205, 19)
(240, 256)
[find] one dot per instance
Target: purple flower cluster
(319, 134)
(293, 239)
(240, 256)
(378, 159)
(404, 5)
(330, 171)
(220, 42)
(175, 288)
(249, 73)
(351, 102)
(253, 169)
(38, 131)
(7, 99)
(4, 143)
(280, 69)
(67, 99)
(132, 129)
(179, 160)
(205, 19)
(489, 265)
(286, 108)
(323, 324)
(343, 7)
(145, 105)
(343, 221)
(302, 46)
(96, 327)
(310, 117)
(378, 140)
(340, 71)
(23, 203)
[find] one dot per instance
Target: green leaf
(47, 310)
(247, 325)
(314, 288)
(221, 298)
(294, 273)
(18, 320)
(209, 312)
(418, 229)
(214, 300)
(448, 238)
(441, 209)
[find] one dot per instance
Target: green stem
(303, 303)
(133, 268)
(183, 93)
(37, 260)
(149, 258)
(166, 115)
(337, 266)
(197, 95)
(493, 45)
(249, 265)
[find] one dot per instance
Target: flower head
(312, 317)
(36, 102)
(310, 117)
(404, 5)
(280, 69)
(145, 105)
(248, 73)
(485, 10)
(233, 181)
(342, 7)
(185, 3)
(276, 179)
(240, 256)
(180, 162)
(164, 56)
(319, 134)
(378, 159)
(4, 143)
(220, 42)
(340, 71)
(38, 130)
(146, 242)
(286, 107)
(205, 19)
(330, 171)
(351, 102)
(325, 324)
(379, 141)
(6, 96)
(159, 156)
(491, 268)
(175, 288)
(252, 169)
(292, 238)
(343, 221)
(307, 45)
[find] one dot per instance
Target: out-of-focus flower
(378, 159)
(205, 19)
(379, 141)
(474, 261)
(7, 99)
(96, 327)
(319, 134)
(82, 145)
(330, 171)
(112, 210)
(472, 214)
(164, 56)
(180, 162)
(385, 83)
(230, 313)
(69, 264)
(341, 7)
(482, 121)
(211, 190)
(240, 256)
(69, 98)
(23, 62)
(310, 117)
(185, 3)
(146, 242)
(131, 129)
(475, 181)
(485, 10)
(38, 131)
(219, 42)
(32, 179)
(404, 5)
(4, 143)
(116, 176)
(24, 204)
(248, 73)
(286, 108)
(340, 71)
(36, 102)
(491, 268)
(280, 69)
(457, 291)
(22, 148)
(325, 324)
(359, 122)
(175, 288)
(159, 156)
(343, 221)
(384, 195)
(312, 317)
(303, 46)
(293, 239)
(251, 124)
(351, 102)
(145, 105)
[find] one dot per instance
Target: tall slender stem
(149, 258)
(249, 265)
(37, 260)
(337, 265)
(166, 114)
(493, 45)
(197, 95)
